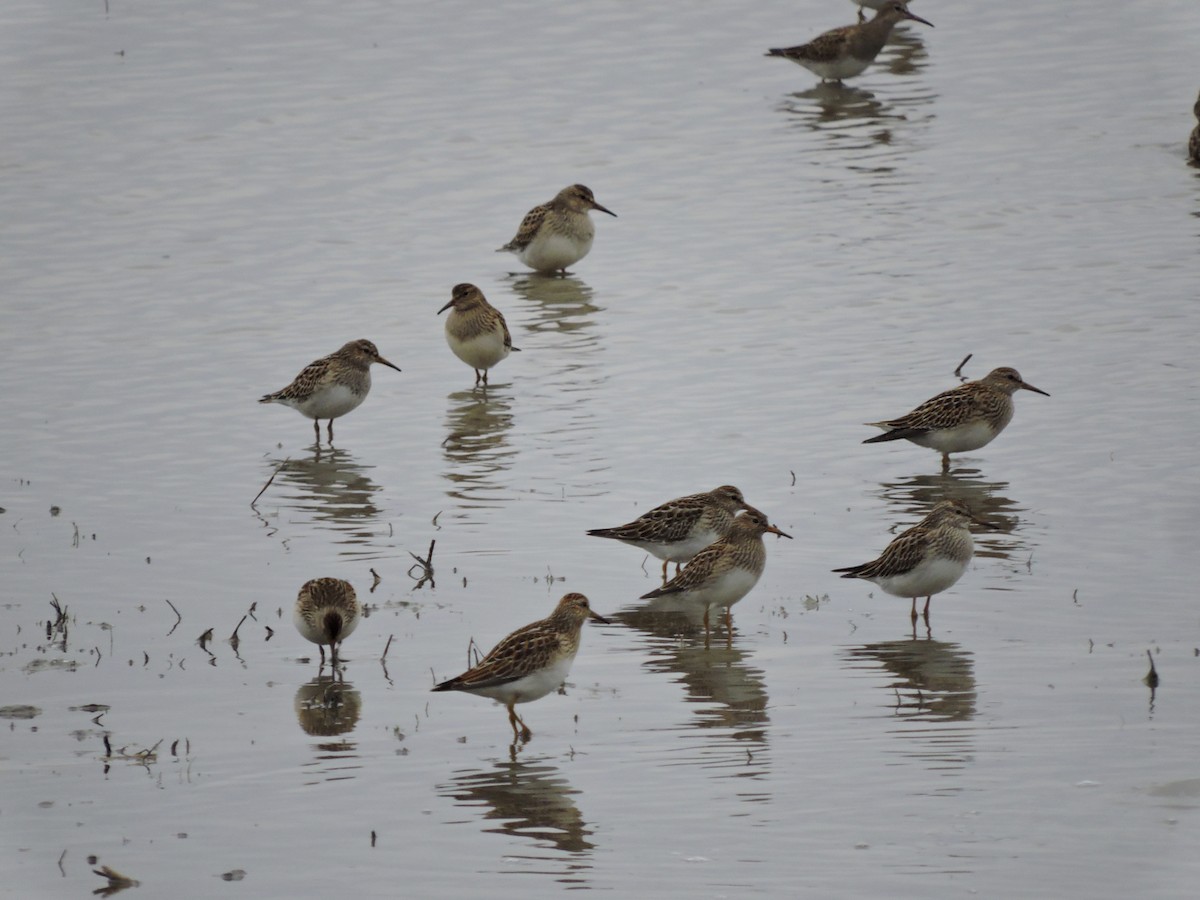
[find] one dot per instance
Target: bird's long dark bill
(916, 18)
(596, 205)
(383, 361)
(774, 530)
(451, 303)
(592, 614)
(1030, 387)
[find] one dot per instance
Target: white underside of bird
(481, 351)
(316, 632)
(678, 552)
(529, 687)
(329, 402)
(549, 252)
(723, 590)
(960, 439)
(928, 577)
(836, 70)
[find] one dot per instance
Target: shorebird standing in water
(476, 331)
(331, 386)
(326, 612)
(529, 663)
(680, 528)
(557, 234)
(723, 573)
(847, 51)
(961, 419)
(926, 559)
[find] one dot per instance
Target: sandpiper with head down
(333, 385)
(529, 663)
(961, 419)
(847, 51)
(476, 330)
(557, 234)
(326, 612)
(926, 559)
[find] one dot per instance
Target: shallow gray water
(200, 199)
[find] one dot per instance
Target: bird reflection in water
(931, 686)
(331, 490)
(559, 305)
(476, 446)
(533, 801)
(557, 324)
(854, 117)
(912, 498)
(328, 707)
(904, 53)
(729, 697)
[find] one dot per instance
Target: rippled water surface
(199, 199)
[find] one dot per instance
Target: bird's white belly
(479, 352)
(727, 589)
(926, 578)
(548, 252)
(330, 402)
(532, 686)
(680, 551)
(315, 630)
(836, 70)
(959, 439)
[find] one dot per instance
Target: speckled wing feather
(303, 385)
(824, 48)
(507, 334)
(900, 556)
(528, 228)
(713, 559)
(522, 652)
(664, 524)
(946, 410)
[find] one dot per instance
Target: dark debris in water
(19, 711)
(116, 882)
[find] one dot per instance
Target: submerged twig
(472, 648)
(387, 647)
(424, 566)
(178, 617)
(233, 638)
(116, 881)
(278, 469)
(1151, 679)
(958, 372)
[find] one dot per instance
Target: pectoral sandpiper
(724, 572)
(529, 663)
(557, 234)
(326, 612)
(680, 528)
(476, 330)
(847, 51)
(333, 385)
(961, 419)
(924, 560)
